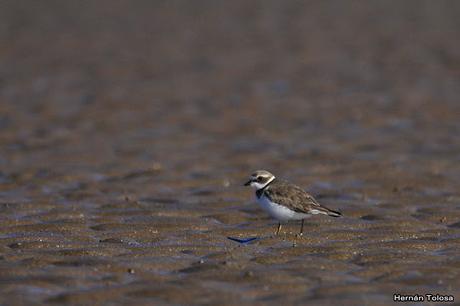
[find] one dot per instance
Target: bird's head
(260, 179)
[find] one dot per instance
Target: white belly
(279, 212)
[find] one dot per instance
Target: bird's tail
(326, 211)
(334, 213)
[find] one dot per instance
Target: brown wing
(295, 198)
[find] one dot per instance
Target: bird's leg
(301, 228)
(279, 228)
(294, 244)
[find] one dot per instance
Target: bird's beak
(248, 183)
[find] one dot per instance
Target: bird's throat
(260, 192)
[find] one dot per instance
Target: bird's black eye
(260, 178)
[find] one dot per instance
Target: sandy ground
(128, 127)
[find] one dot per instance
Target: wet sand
(127, 130)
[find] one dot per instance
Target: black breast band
(260, 192)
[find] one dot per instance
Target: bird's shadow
(243, 240)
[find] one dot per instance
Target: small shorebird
(285, 201)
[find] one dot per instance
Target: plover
(285, 201)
